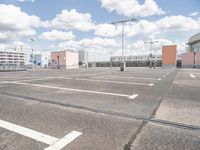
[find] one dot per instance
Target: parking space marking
(91, 74)
(40, 79)
(122, 77)
(193, 76)
(116, 82)
(70, 89)
(64, 141)
(28, 133)
(54, 142)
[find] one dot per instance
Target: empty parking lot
(100, 109)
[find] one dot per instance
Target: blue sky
(56, 25)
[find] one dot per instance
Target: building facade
(13, 57)
(42, 59)
(169, 56)
(191, 59)
(65, 59)
(134, 58)
(194, 43)
(83, 57)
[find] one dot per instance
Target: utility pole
(123, 22)
(151, 55)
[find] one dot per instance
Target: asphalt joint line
(140, 127)
(135, 135)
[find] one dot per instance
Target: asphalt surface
(139, 109)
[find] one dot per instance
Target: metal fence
(8, 67)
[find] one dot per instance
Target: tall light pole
(123, 22)
(150, 55)
(32, 40)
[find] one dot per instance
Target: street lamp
(123, 22)
(58, 59)
(194, 59)
(32, 40)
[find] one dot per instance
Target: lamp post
(58, 59)
(32, 40)
(123, 22)
(194, 59)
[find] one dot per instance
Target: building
(65, 59)
(42, 59)
(13, 57)
(194, 43)
(191, 59)
(169, 56)
(83, 57)
(134, 58)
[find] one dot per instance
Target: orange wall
(62, 57)
(169, 55)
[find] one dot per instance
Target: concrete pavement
(163, 109)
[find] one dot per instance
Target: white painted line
(70, 89)
(2, 83)
(116, 82)
(64, 141)
(40, 79)
(133, 96)
(122, 77)
(193, 76)
(28, 133)
(53, 142)
(91, 74)
(151, 84)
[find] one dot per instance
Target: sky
(86, 24)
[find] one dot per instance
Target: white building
(83, 56)
(42, 59)
(134, 58)
(13, 57)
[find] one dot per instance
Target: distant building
(169, 56)
(134, 58)
(83, 57)
(42, 59)
(64, 59)
(13, 57)
(191, 59)
(194, 43)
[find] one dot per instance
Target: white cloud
(17, 45)
(178, 23)
(15, 24)
(132, 7)
(56, 35)
(107, 30)
(26, 1)
(196, 13)
(73, 20)
(98, 42)
(147, 29)
(100, 49)
(73, 45)
(142, 28)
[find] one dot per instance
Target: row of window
(196, 47)
(134, 58)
